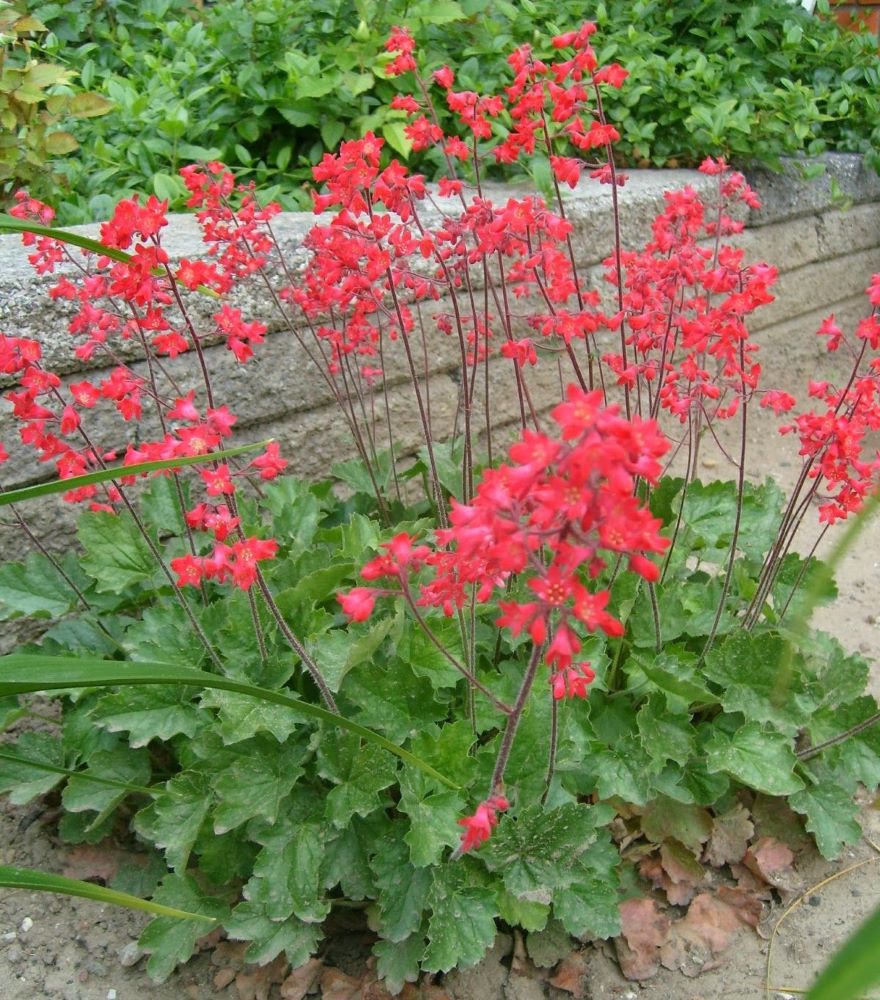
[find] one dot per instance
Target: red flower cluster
(685, 299)
(236, 562)
(551, 515)
(834, 439)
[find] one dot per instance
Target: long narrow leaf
(21, 673)
(41, 765)
(24, 878)
(119, 471)
(855, 968)
(9, 224)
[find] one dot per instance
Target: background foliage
(271, 85)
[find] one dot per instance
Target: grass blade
(855, 968)
(34, 881)
(21, 673)
(118, 471)
(9, 224)
(41, 765)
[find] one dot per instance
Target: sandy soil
(68, 949)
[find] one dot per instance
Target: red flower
(358, 603)
(572, 682)
(270, 463)
(478, 828)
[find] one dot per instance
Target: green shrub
(36, 99)
(271, 85)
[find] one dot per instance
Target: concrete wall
(825, 254)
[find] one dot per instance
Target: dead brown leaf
(771, 861)
(750, 882)
(302, 980)
(97, 862)
(519, 965)
(685, 873)
(697, 941)
(336, 985)
(256, 982)
(730, 837)
(652, 869)
(644, 928)
(748, 906)
(571, 975)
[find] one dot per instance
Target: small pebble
(815, 900)
(9, 936)
(26, 925)
(130, 954)
(111, 994)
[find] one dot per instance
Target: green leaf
(746, 666)
(25, 781)
(122, 765)
(343, 649)
(287, 870)
(89, 105)
(813, 583)
(393, 133)
(174, 820)
(239, 717)
(623, 769)
(673, 619)
(830, 816)
(295, 511)
(535, 852)
(665, 819)
(268, 937)
(448, 749)
(332, 131)
(35, 587)
(461, 928)
(857, 758)
(525, 913)
(425, 659)
(140, 877)
(59, 143)
(160, 505)
(362, 777)
(116, 554)
(590, 905)
(347, 856)
(433, 818)
(438, 12)
(26, 672)
(400, 962)
(666, 736)
(170, 942)
(255, 785)
(762, 760)
(33, 881)
(709, 515)
(674, 676)
(157, 713)
(403, 890)
(855, 968)
(392, 700)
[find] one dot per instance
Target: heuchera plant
(540, 659)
